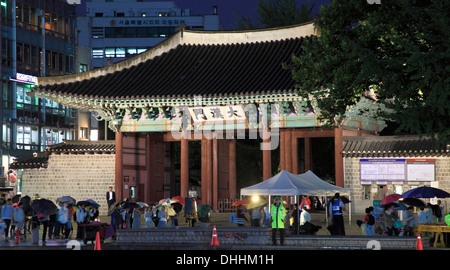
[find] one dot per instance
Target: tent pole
(298, 217)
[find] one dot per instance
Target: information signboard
(382, 170)
(420, 169)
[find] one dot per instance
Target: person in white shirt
(304, 216)
(305, 222)
(81, 219)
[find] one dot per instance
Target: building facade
(38, 38)
(394, 163)
(207, 89)
(116, 30)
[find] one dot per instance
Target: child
(369, 220)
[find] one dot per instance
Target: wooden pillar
(119, 166)
(267, 161)
(184, 170)
(282, 149)
(215, 173)
(287, 150)
(148, 160)
(294, 151)
(339, 161)
(206, 170)
(307, 154)
(232, 169)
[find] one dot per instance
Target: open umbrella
(113, 207)
(203, 210)
(66, 199)
(391, 198)
(26, 201)
(44, 207)
(130, 205)
(167, 200)
(92, 203)
(240, 202)
(398, 206)
(180, 199)
(413, 202)
(426, 192)
(258, 203)
(142, 204)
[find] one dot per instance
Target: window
(83, 68)
(97, 53)
(97, 32)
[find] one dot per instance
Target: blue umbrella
(426, 192)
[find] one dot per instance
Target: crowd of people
(296, 219)
(15, 222)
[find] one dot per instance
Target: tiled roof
(188, 70)
(83, 147)
(41, 161)
(74, 147)
(392, 146)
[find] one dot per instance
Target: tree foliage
(400, 48)
(276, 13)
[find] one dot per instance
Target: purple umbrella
(426, 192)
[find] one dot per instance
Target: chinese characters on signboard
(217, 113)
(148, 22)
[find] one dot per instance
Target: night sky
(226, 8)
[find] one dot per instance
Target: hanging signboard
(382, 170)
(420, 169)
(217, 113)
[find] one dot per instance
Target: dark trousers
(338, 225)
(80, 231)
(45, 227)
(7, 227)
(274, 236)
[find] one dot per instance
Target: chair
(232, 218)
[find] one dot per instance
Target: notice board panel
(382, 169)
(420, 169)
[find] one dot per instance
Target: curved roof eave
(183, 36)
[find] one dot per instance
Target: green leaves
(400, 47)
(275, 13)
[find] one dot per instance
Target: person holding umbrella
(81, 219)
(278, 213)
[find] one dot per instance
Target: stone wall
(352, 181)
(81, 176)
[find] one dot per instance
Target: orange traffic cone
(97, 242)
(419, 243)
(215, 240)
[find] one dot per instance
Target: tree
(399, 48)
(276, 13)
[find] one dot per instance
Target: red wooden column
(119, 166)
(184, 177)
(215, 173)
(148, 160)
(287, 150)
(232, 169)
(294, 151)
(206, 170)
(267, 159)
(339, 161)
(282, 149)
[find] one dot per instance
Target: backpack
(371, 220)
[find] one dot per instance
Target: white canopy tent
(287, 184)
